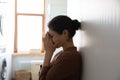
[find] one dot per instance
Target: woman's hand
(48, 44)
(49, 49)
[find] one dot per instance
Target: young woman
(67, 64)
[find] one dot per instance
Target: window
(29, 26)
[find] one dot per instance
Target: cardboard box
(22, 75)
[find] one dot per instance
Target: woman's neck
(68, 44)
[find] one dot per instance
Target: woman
(67, 64)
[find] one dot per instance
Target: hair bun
(76, 24)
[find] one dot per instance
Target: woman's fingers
(48, 43)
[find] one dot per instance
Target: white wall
(101, 51)
(54, 8)
(74, 12)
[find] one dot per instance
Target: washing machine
(3, 68)
(5, 62)
(6, 38)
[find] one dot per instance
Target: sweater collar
(70, 49)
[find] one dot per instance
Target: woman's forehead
(51, 32)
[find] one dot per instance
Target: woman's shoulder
(71, 51)
(71, 55)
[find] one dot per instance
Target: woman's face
(58, 39)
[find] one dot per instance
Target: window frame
(16, 30)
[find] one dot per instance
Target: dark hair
(62, 22)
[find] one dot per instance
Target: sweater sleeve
(43, 72)
(63, 67)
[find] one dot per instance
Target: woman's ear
(65, 33)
